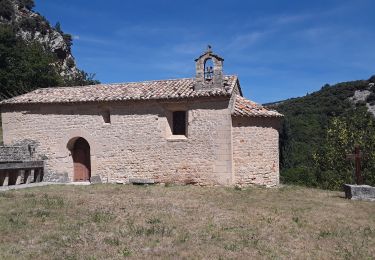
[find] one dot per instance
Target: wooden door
(81, 160)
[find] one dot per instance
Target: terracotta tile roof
(158, 89)
(245, 107)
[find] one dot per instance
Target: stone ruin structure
(18, 165)
(197, 130)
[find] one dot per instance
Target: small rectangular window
(106, 116)
(179, 123)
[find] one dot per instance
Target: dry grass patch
(117, 221)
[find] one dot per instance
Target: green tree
(68, 39)
(6, 9)
(24, 67)
(58, 27)
(35, 24)
(28, 4)
(305, 129)
(332, 168)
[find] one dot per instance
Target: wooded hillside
(321, 128)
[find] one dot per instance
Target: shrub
(70, 62)
(299, 175)
(6, 9)
(58, 27)
(35, 24)
(28, 24)
(28, 4)
(68, 39)
(371, 98)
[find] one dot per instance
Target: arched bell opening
(208, 69)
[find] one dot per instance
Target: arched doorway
(81, 160)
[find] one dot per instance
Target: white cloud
(192, 48)
(95, 40)
(246, 40)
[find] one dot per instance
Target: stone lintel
(359, 192)
(21, 165)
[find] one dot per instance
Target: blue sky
(279, 49)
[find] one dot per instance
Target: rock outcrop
(365, 96)
(32, 26)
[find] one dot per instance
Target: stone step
(141, 181)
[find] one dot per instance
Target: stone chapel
(197, 130)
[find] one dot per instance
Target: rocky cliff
(366, 96)
(32, 26)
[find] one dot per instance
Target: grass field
(183, 222)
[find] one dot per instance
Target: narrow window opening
(179, 123)
(106, 117)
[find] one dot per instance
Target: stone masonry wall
(136, 144)
(14, 153)
(22, 150)
(255, 151)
